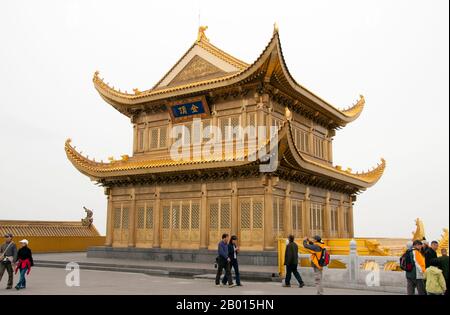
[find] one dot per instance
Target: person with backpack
(414, 265)
(435, 281)
(8, 257)
(291, 262)
(24, 263)
(318, 259)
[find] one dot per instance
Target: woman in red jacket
(24, 263)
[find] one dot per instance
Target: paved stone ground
(80, 257)
(44, 280)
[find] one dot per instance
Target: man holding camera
(8, 256)
(315, 246)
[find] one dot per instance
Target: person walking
(223, 261)
(435, 282)
(443, 265)
(24, 263)
(315, 247)
(233, 251)
(415, 277)
(430, 253)
(8, 257)
(291, 263)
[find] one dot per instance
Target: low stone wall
(60, 244)
(262, 258)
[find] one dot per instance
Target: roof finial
(201, 33)
(275, 27)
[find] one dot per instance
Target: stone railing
(361, 272)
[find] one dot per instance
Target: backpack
(324, 258)
(406, 261)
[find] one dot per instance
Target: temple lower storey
(195, 215)
(273, 175)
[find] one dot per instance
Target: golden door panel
(251, 226)
(144, 224)
(219, 219)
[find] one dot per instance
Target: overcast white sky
(396, 53)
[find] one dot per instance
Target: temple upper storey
(209, 93)
(206, 69)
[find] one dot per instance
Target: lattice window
(334, 219)
(117, 218)
(302, 140)
(149, 218)
(195, 216)
(141, 218)
(319, 144)
(225, 215)
(166, 217)
(185, 216)
(245, 214)
(258, 213)
(125, 218)
(162, 137)
(206, 130)
(154, 133)
(228, 125)
(297, 221)
(214, 216)
(278, 210)
(140, 136)
(346, 219)
(316, 213)
(175, 216)
(251, 119)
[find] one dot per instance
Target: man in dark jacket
(8, 257)
(223, 261)
(443, 265)
(233, 251)
(430, 253)
(291, 262)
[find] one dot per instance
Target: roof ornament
(287, 114)
(275, 27)
(136, 91)
(201, 33)
(89, 219)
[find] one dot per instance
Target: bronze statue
(88, 220)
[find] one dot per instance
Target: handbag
(5, 259)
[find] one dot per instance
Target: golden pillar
(351, 227)
(268, 215)
(203, 219)
(234, 208)
(157, 218)
(307, 214)
(341, 232)
(109, 219)
(135, 138)
(132, 220)
(327, 217)
(287, 211)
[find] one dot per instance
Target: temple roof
(46, 228)
(205, 68)
(289, 156)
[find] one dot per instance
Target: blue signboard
(189, 108)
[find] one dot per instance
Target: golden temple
(155, 201)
